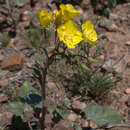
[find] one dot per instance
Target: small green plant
(113, 3)
(106, 12)
(5, 41)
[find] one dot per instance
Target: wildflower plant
(72, 43)
(67, 36)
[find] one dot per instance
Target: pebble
(108, 25)
(113, 28)
(105, 23)
(26, 16)
(78, 105)
(101, 57)
(5, 118)
(4, 83)
(3, 98)
(3, 73)
(118, 68)
(113, 16)
(1, 57)
(63, 125)
(128, 102)
(14, 62)
(92, 124)
(85, 3)
(128, 64)
(127, 91)
(128, 43)
(73, 117)
(0, 45)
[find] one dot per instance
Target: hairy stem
(43, 89)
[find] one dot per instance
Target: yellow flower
(57, 17)
(69, 34)
(89, 33)
(68, 12)
(44, 17)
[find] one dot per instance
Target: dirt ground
(116, 46)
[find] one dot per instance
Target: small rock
(127, 90)
(105, 23)
(1, 57)
(113, 16)
(51, 6)
(85, 123)
(51, 85)
(5, 118)
(48, 120)
(93, 125)
(112, 28)
(63, 125)
(3, 98)
(13, 62)
(124, 99)
(128, 101)
(128, 64)
(9, 115)
(78, 105)
(0, 45)
(25, 16)
(128, 43)
(73, 117)
(4, 73)
(115, 66)
(101, 57)
(112, 51)
(108, 25)
(85, 3)
(30, 63)
(129, 115)
(4, 83)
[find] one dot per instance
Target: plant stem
(29, 125)
(43, 89)
(49, 61)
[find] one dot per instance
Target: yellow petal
(89, 33)
(87, 25)
(68, 11)
(69, 34)
(57, 17)
(44, 17)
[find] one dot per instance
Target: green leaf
(17, 108)
(38, 58)
(21, 109)
(65, 114)
(102, 116)
(77, 127)
(66, 102)
(51, 107)
(71, 123)
(103, 37)
(38, 105)
(26, 90)
(5, 41)
(16, 16)
(114, 3)
(20, 3)
(106, 12)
